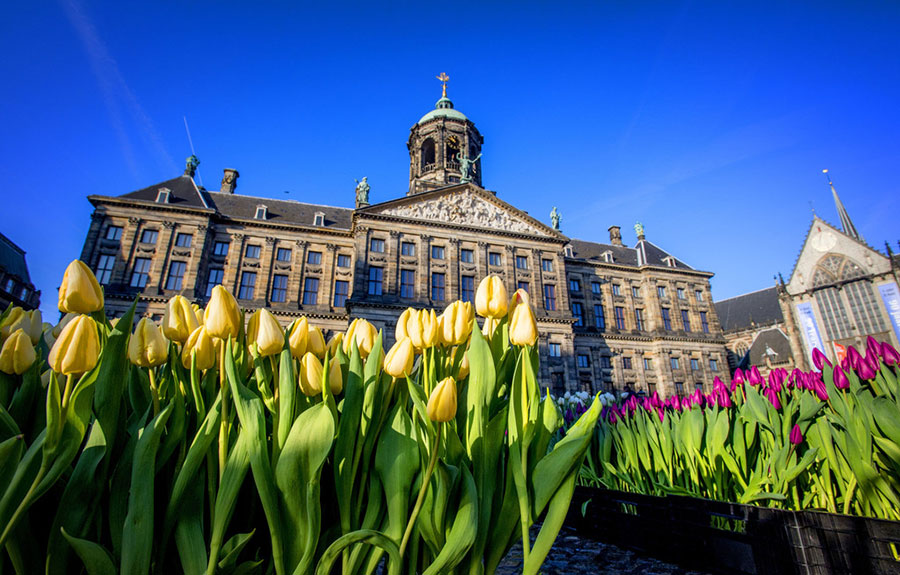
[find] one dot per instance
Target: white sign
(810, 329)
(891, 297)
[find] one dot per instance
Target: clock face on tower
(823, 240)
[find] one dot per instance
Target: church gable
(464, 207)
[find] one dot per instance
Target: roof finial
(190, 165)
(444, 78)
(639, 230)
(846, 224)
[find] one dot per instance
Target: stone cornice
(98, 201)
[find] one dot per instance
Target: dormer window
(608, 256)
(162, 196)
(261, 212)
(319, 219)
(669, 261)
(569, 252)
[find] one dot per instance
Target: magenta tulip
(738, 377)
(889, 355)
(872, 346)
(819, 389)
(796, 436)
(772, 396)
(865, 371)
(854, 357)
(819, 359)
(840, 379)
(755, 376)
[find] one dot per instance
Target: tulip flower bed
(826, 440)
(205, 445)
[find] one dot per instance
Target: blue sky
(710, 124)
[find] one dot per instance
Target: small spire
(444, 78)
(846, 224)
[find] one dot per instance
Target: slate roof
(591, 251)
(183, 192)
(278, 211)
(741, 312)
(774, 340)
(654, 255)
(12, 259)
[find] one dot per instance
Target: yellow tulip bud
(456, 323)
(12, 322)
(37, 326)
(364, 334)
(491, 299)
(223, 316)
(310, 375)
(299, 337)
(423, 328)
(199, 344)
(399, 360)
(179, 321)
(267, 333)
(490, 324)
(315, 342)
(77, 348)
(336, 342)
(198, 313)
(400, 331)
(523, 327)
(58, 328)
(442, 403)
(335, 377)
(17, 353)
(80, 292)
(29, 321)
(147, 347)
(518, 296)
(463, 368)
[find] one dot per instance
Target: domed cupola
(444, 148)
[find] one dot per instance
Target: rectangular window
(220, 248)
(252, 252)
(679, 388)
(648, 364)
(314, 258)
(183, 240)
(522, 262)
(713, 365)
(626, 363)
(635, 291)
(679, 293)
(141, 272)
(437, 252)
(605, 362)
(248, 285)
(407, 249)
(149, 236)
(279, 288)
(549, 297)
(467, 288)
(437, 286)
(215, 277)
(575, 285)
(555, 349)
(176, 274)
(10, 284)
(584, 360)
(407, 283)
(376, 245)
(698, 295)
(686, 320)
(595, 288)
(620, 317)
(661, 292)
(599, 317)
(341, 291)
(547, 265)
(667, 321)
(523, 286)
(376, 276)
(703, 322)
(311, 291)
(695, 364)
(467, 256)
(673, 362)
(283, 254)
(114, 233)
(639, 319)
(343, 261)
(494, 259)
(104, 268)
(616, 289)
(578, 312)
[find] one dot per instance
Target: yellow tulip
(442, 403)
(315, 342)
(364, 334)
(335, 377)
(37, 326)
(13, 321)
(518, 296)
(223, 316)
(147, 347)
(523, 327)
(58, 328)
(423, 328)
(400, 331)
(80, 292)
(198, 313)
(77, 348)
(268, 335)
(491, 299)
(463, 368)
(179, 321)
(456, 323)
(310, 375)
(399, 360)
(336, 342)
(299, 337)
(29, 321)
(17, 353)
(490, 324)
(201, 345)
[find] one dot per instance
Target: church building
(611, 316)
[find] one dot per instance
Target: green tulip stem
(154, 392)
(223, 427)
(421, 497)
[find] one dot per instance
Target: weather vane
(444, 78)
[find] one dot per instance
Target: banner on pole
(810, 329)
(890, 295)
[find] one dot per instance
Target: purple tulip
(796, 436)
(840, 379)
(819, 359)
(819, 389)
(872, 346)
(865, 371)
(738, 377)
(854, 357)
(755, 376)
(889, 355)
(845, 363)
(772, 396)
(661, 413)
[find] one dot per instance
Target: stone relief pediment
(466, 208)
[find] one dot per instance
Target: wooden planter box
(729, 538)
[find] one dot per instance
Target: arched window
(427, 155)
(450, 159)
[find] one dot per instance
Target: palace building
(610, 316)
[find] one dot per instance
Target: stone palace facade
(611, 316)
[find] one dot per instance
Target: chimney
(229, 181)
(615, 235)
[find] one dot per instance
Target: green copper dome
(443, 109)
